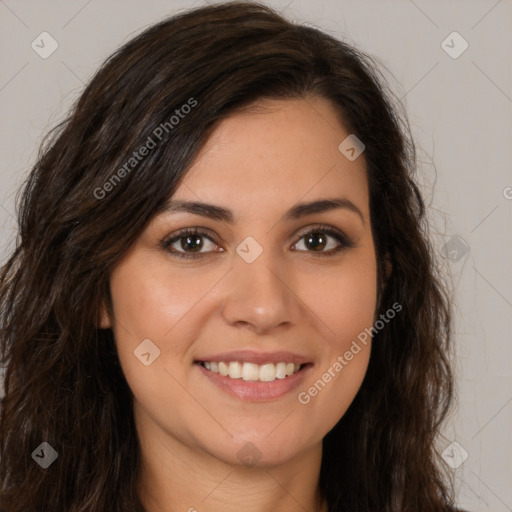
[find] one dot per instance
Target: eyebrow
(296, 212)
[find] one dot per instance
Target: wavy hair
(63, 380)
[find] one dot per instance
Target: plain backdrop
(459, 104)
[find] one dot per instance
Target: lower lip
(255, 390)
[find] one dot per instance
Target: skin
(258, 164)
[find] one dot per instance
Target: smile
(255, 382)
(251, 371)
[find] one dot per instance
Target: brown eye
(192, 242)
(319, 240)
(187, 244)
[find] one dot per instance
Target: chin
(258, 450)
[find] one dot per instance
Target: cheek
(147, 306)
(346, 299)
(150, 307)
(346, 305)
(149, 301)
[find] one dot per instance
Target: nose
(261, 296)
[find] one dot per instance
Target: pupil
(320, 244)
(193, 246)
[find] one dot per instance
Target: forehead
(273, 155)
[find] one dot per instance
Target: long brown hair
(79, 213)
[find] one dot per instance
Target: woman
(223, 296)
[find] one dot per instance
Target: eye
(187, 239)
(317, 239)
(188, 244)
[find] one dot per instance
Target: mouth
(252, 376)
(252, 372)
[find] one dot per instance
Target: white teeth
(251, 371)
(267, 372)
(235, 370)
(223, 369)
(281, 370)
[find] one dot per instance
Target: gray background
(460, 110)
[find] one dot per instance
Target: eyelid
(324, 228)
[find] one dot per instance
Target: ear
(104, 320)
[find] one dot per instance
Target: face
(266, 287)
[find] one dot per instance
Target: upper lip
(251, 356)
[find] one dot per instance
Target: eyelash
(166, 243)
